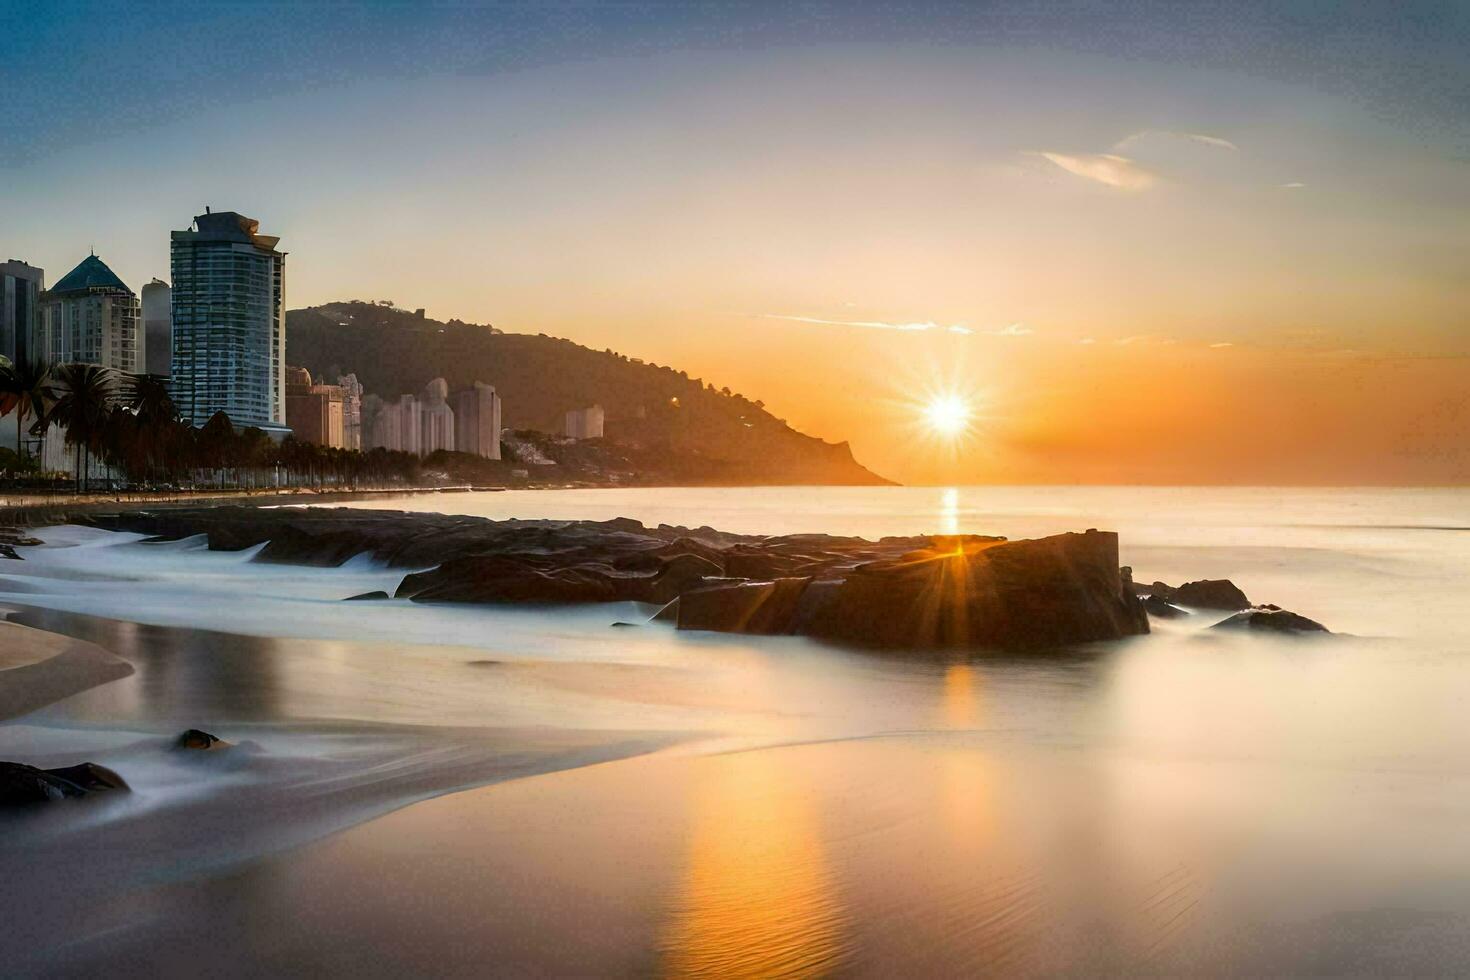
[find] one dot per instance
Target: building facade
(158, 333)
(436, 418)
(90, 316)
(314, 412)
(20, 301)
(477, 421)
(584, 423)
(229, 322)
(394, 425)
(351, 411)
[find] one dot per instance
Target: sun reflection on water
(757, 898)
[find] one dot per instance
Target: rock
(376, 594)
(751, 607)
(493, 578)
(1218, 593)
(1272, 618)
(1159, 607)
(6, 551)
(679, 573)
(1009, 595)
(200, 741)
(91, 777)
(21, 784)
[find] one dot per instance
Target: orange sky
(1140, 272)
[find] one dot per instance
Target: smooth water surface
(1185, 802)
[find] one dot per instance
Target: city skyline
(1047, 228)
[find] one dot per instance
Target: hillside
(716, 435)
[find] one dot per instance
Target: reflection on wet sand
(757, 898)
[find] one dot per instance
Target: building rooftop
(91, 274)
(228, 226)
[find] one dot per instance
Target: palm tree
(25, 389)
(157, 417)
(87, 392)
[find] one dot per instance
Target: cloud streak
(917, 326)
(1207, 140)
(1120, 172)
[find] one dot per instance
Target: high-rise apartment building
(436, 418)
(90, 316)
(477, 421)
(229, 322)
(351, 411)
(20, 299)
(158, 334)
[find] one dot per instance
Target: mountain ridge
(539, 378)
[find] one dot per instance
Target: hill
(714, 435)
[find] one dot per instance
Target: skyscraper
(92, 317)
(158, 334)
(229, 322)
(477, 421)
(20, 297)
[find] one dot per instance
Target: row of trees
(130, 423)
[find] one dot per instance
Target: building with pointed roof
(90, 316)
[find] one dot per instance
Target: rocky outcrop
(926, 592)
(1009, 595)
(21, 784)
(1212, 593)
(749, 607)
(1160, 608)
(1272, 619)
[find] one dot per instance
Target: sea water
(1185, 802)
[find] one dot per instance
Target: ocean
(461, 789)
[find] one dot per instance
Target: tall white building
(436, 418)
(91, 317)
(158, 333)
(477, 421)
(229, 322)
(394, 425)
(351, 411)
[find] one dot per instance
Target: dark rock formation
(21, 784)
(751, 607)
(1016, 595)
(899, 592)
(1272, 618)
(200, 741)
(1216, 593)
(1159, 607)
(375, 594)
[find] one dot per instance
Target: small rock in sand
(201, 741)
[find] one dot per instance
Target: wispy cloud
(1222, 344)
(868, 324)
(1294, 185)
(917, 326)
(1105, 168)
(1207, 140)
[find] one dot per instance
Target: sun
(947, 415)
